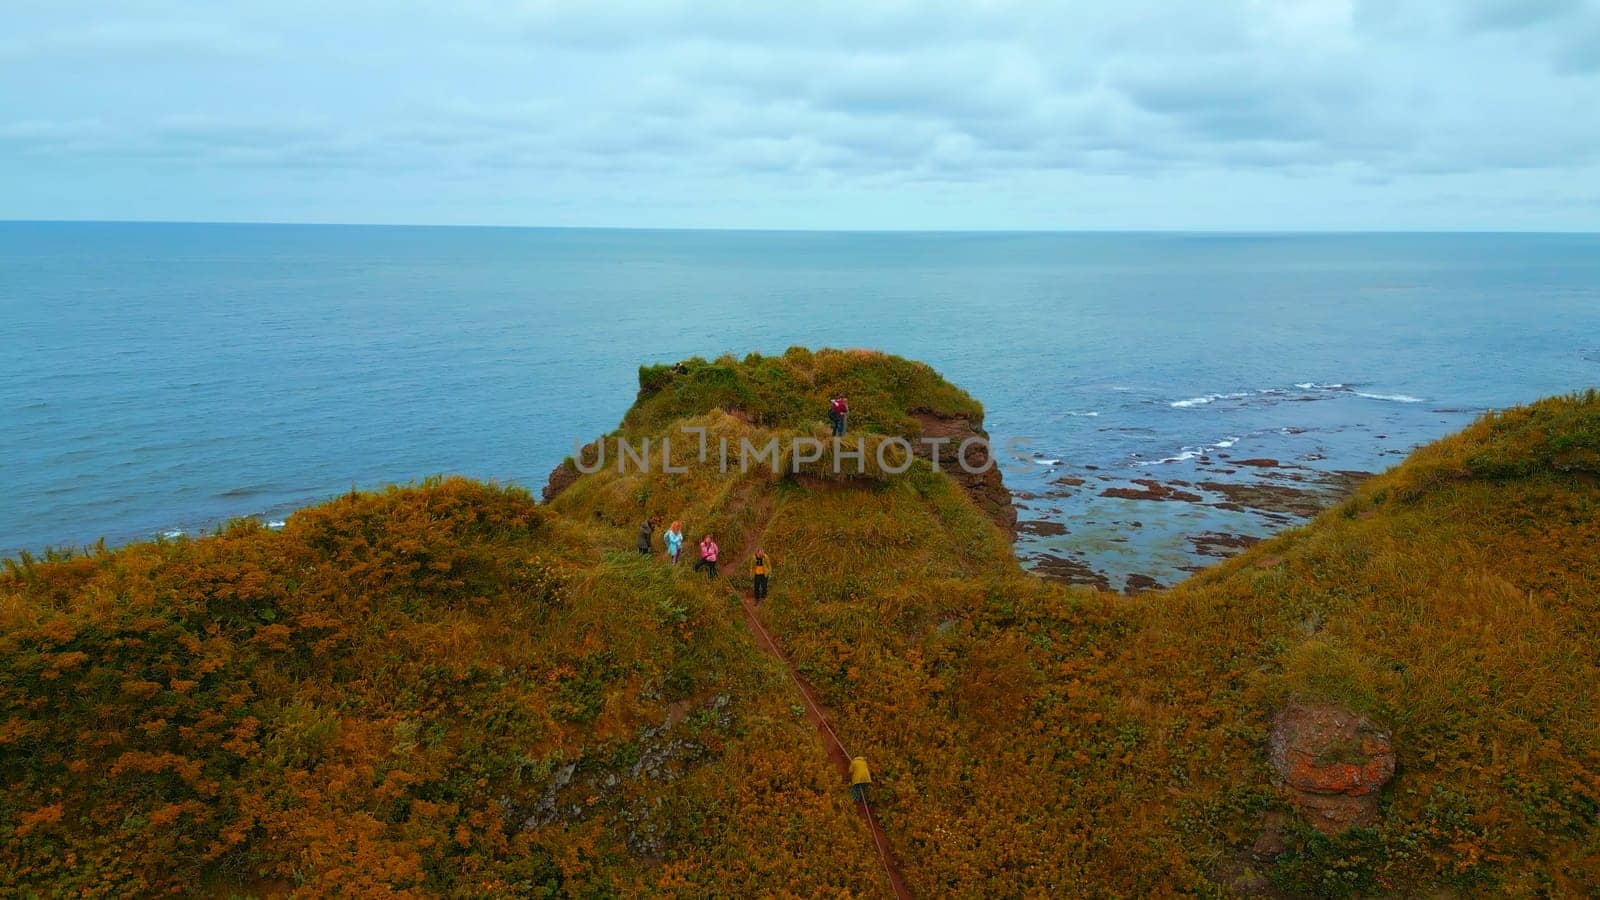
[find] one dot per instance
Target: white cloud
(139, 42)
(558, 103)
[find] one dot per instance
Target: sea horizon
(177, 375)
(1150, 230)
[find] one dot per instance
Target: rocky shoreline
(1110, 528)
(1227, 507)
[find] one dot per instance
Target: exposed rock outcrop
(1138, 581)
(1042, 528)
(941, 441)
(564, 474)
(1332, 762)
(664, 754)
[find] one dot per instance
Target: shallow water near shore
(1180, 395)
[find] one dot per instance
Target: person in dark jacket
(647, 530)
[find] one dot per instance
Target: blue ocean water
(161, 378)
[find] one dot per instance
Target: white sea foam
(1040, 461)
(1206, 400)
(1188, 453)
(275, 524)
(173, 533)
(1302, 386)
(1184, 455)
(1087, 415)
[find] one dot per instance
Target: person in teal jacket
(673, 538)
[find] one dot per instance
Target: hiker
(759, 574)
(646, 530)
(673, 538)
(838, 410)
(860, 777)
(708, 555)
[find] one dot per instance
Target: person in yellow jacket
(759, 568)
(860, 777)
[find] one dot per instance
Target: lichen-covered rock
(1333, 763)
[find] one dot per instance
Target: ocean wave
(1206, 400)
(1042, 461)
(1184, 455)
(1271, 394)
(276, 524)
(1187, 453)
(1087, 415)
(172, 533)
(1391, 398)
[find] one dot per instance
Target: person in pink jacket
(708, 556)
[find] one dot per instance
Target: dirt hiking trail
(835, 748)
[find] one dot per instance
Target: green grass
(792, 391)
(422, 663)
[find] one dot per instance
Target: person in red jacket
(708, 556)
(838, 411)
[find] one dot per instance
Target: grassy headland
(451, 689)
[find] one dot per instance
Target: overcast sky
(1187, 114)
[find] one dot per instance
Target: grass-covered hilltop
(452, 689)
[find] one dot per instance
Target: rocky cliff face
(984, 483)
(564, 474)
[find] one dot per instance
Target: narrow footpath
(831, 742)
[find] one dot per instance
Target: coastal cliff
(449, 688)
(889, 396)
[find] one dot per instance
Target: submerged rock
(1150, 489)
(1221, 544)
